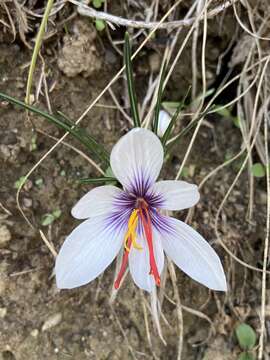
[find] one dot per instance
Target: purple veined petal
(87, 252)
(175, 195)
(192, 254)
(136, 160)
(139, 263)
(98, 201)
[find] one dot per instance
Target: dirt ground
(39, 322)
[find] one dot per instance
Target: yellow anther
(133, 217)
(136, 245)
(131, 232)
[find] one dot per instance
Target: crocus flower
(164, 120)
(131, 219)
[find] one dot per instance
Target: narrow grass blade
(64, 123)
(130, 81)
(159, 97)
(187, 129)
(37, 47)
(173, 120)
(63, 117)
(170, 106)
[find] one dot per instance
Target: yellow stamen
(131, 232)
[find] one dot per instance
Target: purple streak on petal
(124, 201)
(117, 220)
(161, 222)
(140, 182)
(127, 201)
(154, 200)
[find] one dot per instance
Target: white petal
(139, 264)
(98, 201)
(137, 158)
(175, 195)
(192, 254)
(164, 120)
(87, 252)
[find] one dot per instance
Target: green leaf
(236, 121)
(246, 336)
(65, 27)
(173, 120)
(39, 182)
(19, 182)
(47, 219)
(97, 3)
(159, 97)
(57, 213)
(83, 137)
(170, 106)
(100, 24)
(224, 112)
(33, 143)
(130, 81)
(246, 356)
(185, 172)
(109, 172)
(105, 179)
(258, 170)
(64, 123)
(203, 96)
(186, 129)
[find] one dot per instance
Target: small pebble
(154, 62)
(210, 75)
(5, 235)
(9, 138)
(3, 312)
(28, 185)
(110, 57)
(2, 286)
(52, 321)
(262, 198)
(34, 333)
(27, 202)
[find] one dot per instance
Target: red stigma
(123, 266)
(143, 212)
(147, 225)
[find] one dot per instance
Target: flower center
(141, 203)
(140, 212)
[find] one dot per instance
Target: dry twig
(117, 20)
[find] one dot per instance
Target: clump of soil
(79, 54)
